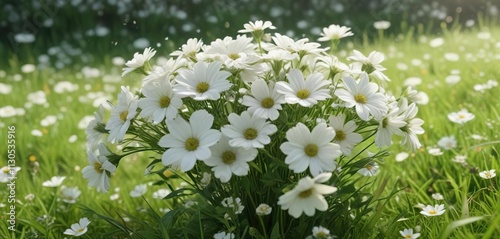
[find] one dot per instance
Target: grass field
(457, 69)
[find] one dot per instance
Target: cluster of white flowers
(235, 106)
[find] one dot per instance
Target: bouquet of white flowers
(269, 134)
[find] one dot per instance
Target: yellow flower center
(369, 167)
(164, 102)
(321, 235)
(98, 167)
(202, 87)
(408, 236)
(306, 193)
(432, 212)
(340, 135)
(250, 134)
(32, 158)
(191, 144)
(311, 150)
(303, 94)
(234, 56)
(6, 170)
(228, 157)
(123, 115)
(360, 98)
(267, 102)
(81, 230)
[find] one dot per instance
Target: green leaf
(446, 233)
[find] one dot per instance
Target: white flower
(189, 49)
(304, 92)
(335, 32)
(437, 196)
(401, 156)
(311, 149)
(388, 126)
(55, 181)
(413, 125)
(461, 116)
(188, 142)
(460, 159)
(488, 174)
(248, 131)
(93, 133)
(70, 194)
(227, 160)
(78, 229)
(204, 82)
(381, 25)
(160, 102)
(98, 171)
(234, 203)
(371, 63)
(434, 151)
(224, 235)
(257, 26)
(266, 101)
(205, 179)
(344, 133)
(121, 115)
(139, 190)
(307, 196)
(320, 232)
(235, 54)
(161, 193)
(8, 173)
(370, 169)
(139, 60)
(263, 209)
(430, 211)
(302, 47)
(363, 96)
(448, 143)
(408, 234)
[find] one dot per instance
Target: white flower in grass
(381, 25)
(235, 54)
(370, 169)
(369, 64)
(431, 211)
(227, 160)
(448, 143)
(78, 229)
(98, 171)
(234, 203)
(307, 196)
(70, 194)
(139, 190)
(461, 116)
(138, 61)
(408, 234)
(248, 131)
(389, 125)
(434, 151)
(266, 101)
(488, 174)
(205, 179)
(311, 149)
(363, 96)
(121, 115)
(304, 92)
(189, 49)
(320, 232)
(302, 46)
(95, 129)
(400, 157)
(188, 142)
(8, 173)
(344, 133)
(437, 196)
(335, 32)
(263, 209)
(257, 26)
(224, 235)
(204, 82)
(161, 193)
(413, 125)
(55, 181)
(160, 102)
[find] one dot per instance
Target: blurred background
(79, 32)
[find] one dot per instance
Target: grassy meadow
(456, 69)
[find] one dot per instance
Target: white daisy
(370, 169)
(161, 193)
(204, 82)
(335, 32)
(98, 171)
(307, 196)
(188, 142)
(8, 173)
(95, 129)
(363, 96)
(448, 143)
(320, 232)
(139, 190)
(461, 116)
(304, 92)
(121, 115)
(302, 47)
(408, 234)
(369, 64)
(431, 211)
(437, 196)
(388, 126)
(70, 195)
(139, 61)
(55, 181)
(413, 125)
(234, 203)
(224, 235)
(263, 209)
(344, 133)
(266, 101)
(227, 160)
(488, 174)
(257, 26)
(311, 149)
(78, 229)
(160, 102)
(189, 49)
(248, 131)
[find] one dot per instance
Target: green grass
(472, 203)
